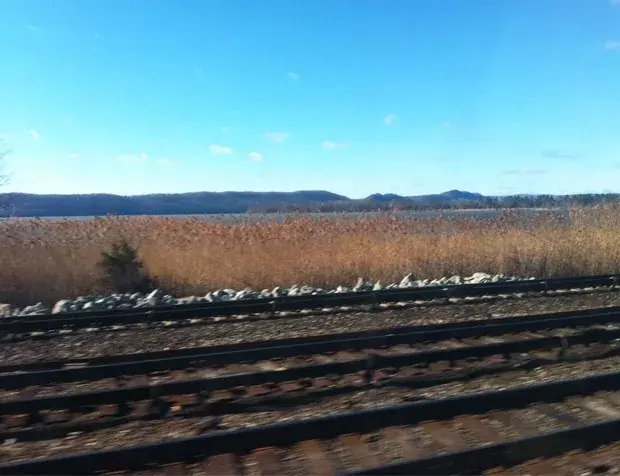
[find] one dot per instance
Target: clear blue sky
(351, 96)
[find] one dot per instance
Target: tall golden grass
(44, 260)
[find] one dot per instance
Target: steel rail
(376, 362)
(384, 338)
(586, 317)
(284, 434)
(509, 453)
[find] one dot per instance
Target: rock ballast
(157, 297)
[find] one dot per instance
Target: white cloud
(389, 119)
(32, 27)
(34, 134)
(164, 161)
(293, 76)
(255, 156)
(558, 154)
(220, 149)
(133, 158)
(525, 171)
(329, 145)
(4, 136)
(276, 137)
(612, 45)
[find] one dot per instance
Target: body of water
(279, 217)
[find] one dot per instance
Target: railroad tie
(398, 436)
(359, 450)
(221, 465)
(480, 429)
(266, 460)
(315, 458)
(446, 437)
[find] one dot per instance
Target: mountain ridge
(199, 203)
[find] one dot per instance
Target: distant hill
(198, 203)
(19, 204)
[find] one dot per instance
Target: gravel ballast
(144, 432)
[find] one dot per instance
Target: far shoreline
(436, 212)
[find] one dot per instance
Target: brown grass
(48, 260)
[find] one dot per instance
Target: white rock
(478, 278)
(61, 306)
(154, 297)
(6, 310)
(407, 282)
(36, 309)
(362, 285)
(293, 291)
(188, 300)
(246, 293)
(138, 300)
(306, 290)
(136, 296)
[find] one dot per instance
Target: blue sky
(351, 96)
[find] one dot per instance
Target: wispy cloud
(133, 158)
(164, 161)
(34, 134)
(446, 125)
(612, 45)
(329, 145)
(5, 136)
(75, 156)
(389, 119)
(614, 2)
(32, 27)
(525, 171)
(276, 137)
(293, 76)
(255, 156)
(220, 149)
(558, 154)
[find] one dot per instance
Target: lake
(279, 217)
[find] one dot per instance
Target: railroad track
(203, 391)
(56, 402)
(56, 324)
(468, 434)
(276, 348)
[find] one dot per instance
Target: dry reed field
(45, 261)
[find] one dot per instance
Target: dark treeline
(31, 205)
(414, 204)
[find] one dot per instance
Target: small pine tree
(123, 271)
